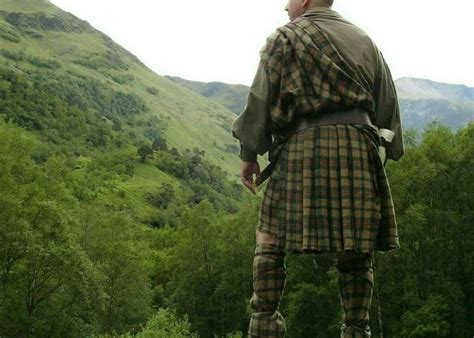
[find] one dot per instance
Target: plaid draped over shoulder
(308, 74)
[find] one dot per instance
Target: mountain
(421, 101)
(84, 96)
(233, 97)
(416, 89)
(38, 36)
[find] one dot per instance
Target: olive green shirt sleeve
(387, 109)
(253, 126)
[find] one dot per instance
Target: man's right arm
(387, 109)
(253, 126)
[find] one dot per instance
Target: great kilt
(329, 192)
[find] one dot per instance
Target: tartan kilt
(329, 192)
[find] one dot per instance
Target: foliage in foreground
(72, 265)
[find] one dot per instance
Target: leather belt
(353, 116)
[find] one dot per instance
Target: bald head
(296, 8)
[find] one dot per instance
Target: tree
(429, 320)
(159, 144)
(145, 152)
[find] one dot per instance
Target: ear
(305, 4)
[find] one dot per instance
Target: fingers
(248, 169)
(248, 183)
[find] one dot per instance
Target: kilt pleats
(329, 192)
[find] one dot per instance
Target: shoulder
(274, 41)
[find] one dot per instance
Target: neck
(315, 4)
(318, 6)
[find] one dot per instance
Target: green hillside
(84, 96)
(73, 49)
(101, 162)
(233, 97)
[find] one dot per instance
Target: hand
(247, 170)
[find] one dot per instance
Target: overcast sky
(213, 40)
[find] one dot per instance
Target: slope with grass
(38, 36)
(85, 97)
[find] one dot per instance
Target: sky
(212, 40)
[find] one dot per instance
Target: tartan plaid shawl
(307, 73)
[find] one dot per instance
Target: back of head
(327, 3)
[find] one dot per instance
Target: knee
(269, 258)
(355, 268)
(263, 238)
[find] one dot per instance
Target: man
(324, 105)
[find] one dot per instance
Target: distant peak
(407, 79)
(416, 88)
